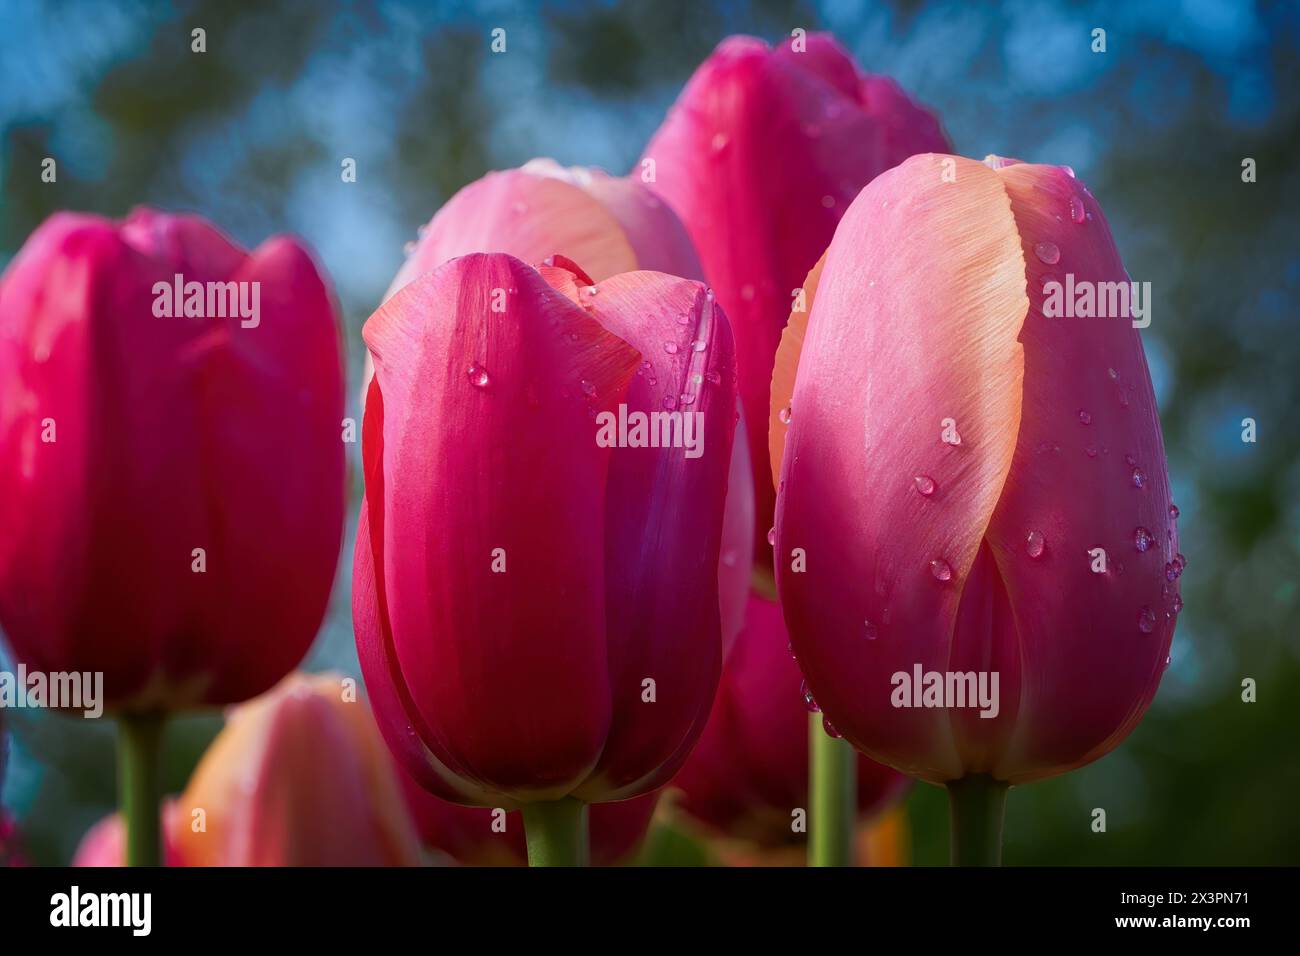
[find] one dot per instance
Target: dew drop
(699, 345)
(771, 535)
(1035, 543)
(719, 142)
(1085, 417)
(1139, 478)
(1173, 511)
(925, 485)
(670, 348)
(1077, 212)
(828, 202)
(588, 388)
(809, 701)
(1178, 603)
(478, 376)
(408, 249)
(592, 290)
(1146, 620)
(670, 402)
(941, 570)
(871, 631)
(688, 399)
(1142, 539)
(785, 415)
(830, 729)
(1114, 375)
(1091, 451)
(713, 378)
(684, 319)
(1047, 252)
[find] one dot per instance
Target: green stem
(833, 787)
(976, 806)
(139, 786)
(556, 832)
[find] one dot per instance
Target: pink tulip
(955, 466)
(298, 777)
(516, 584)
(760, 157)
(105, 843)
(749, 772)
(478, 836)
(171, 486)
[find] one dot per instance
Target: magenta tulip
(748, 775)
(537, 612)
(760, 157)
(171, 483)
(980, 488)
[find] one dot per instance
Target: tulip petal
(508, 670)
(664, 524)
(1090, 424)
(914, 329)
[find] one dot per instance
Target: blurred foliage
(252, 133)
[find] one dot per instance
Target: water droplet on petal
(670, 402)
(587, 387)
(1139, 478)
(408, 249)
(828, 202)
(790, 647)
(699, 345)
(1091, 451)
(771, 535)
(1178, 603)
(1173, 511)
(1142, 539)
(1077, 212)
(941, 570)
(1114, 375)
(809, 701)
(925, 485)
(478, 376)
(785, 415)
(592, 290)
(713, 378)
(670, 348)
(871, 631)
(684, 319)
(1146, 620)
(719, 142)
(1085, 417)
(688, 399)
(830, 729)
(1035, 543)
(1047, 252)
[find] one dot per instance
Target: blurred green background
(252, 133)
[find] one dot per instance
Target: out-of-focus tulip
(885, 840)
(749, 773)
(478, 836)
(11, 848)
(171, 484)
(536, 614)
(760, 157)
(298, 777)
(606, 224)
(105, 843)
(979, 488)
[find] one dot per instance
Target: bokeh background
(252, 133)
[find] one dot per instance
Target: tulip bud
(298, 777)
(760, 157)
(481, 836)
(171, 469)
(105, 843)
(748, 776)
(535, 591)
(955, 463)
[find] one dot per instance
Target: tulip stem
(139, 784)
(556, 831)
(976, 806)
(833, 787)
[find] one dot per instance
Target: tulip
(536, 612)
(760, 157)
(171, 484)
(980, 488)
(478, 836)
(11, 847)
(748, 776)
(298, 777)
(105, 843)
